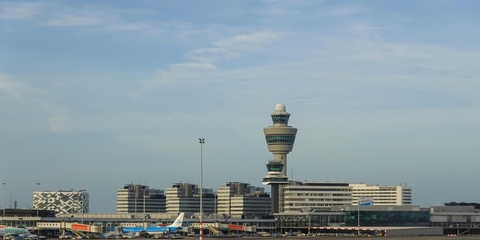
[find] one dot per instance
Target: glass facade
(273, 179)
(388, 218)
(274, 167)
(302, 222)
(305, 221)
(280, 118)
(280, 139)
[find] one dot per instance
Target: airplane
(7, 231)
(175, 226)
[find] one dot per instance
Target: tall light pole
(135, 197)
(38, 184)
(4, 187)
(215, 205)
(358, 216)
(202, 141)
(83, 202)
(144, 215)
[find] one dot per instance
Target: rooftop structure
(237, 199)
(382, 194)
(135, 198)
(185, 197)
(314, 196)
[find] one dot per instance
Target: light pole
(215, 205)
(202, 141)
(144, 216)
(135, 197)
(358, 215)
(4, 187)
(83, 202)
(38, 184)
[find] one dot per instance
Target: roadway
(332, 238)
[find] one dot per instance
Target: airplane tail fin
(178, 222)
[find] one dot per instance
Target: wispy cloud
(211, 54)
(204, 58)
(343, 11)
(176, 73)
(30, 95)
(17, 10)
(18, 89)
(77, 17)
(58, 124)
(89, 19)
(233, 47)
(249, 42)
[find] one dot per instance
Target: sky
(98, 94)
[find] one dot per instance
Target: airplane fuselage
(152, 230)
(14, 231)
(174, 227)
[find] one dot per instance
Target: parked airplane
(175, 226)
(7, 231)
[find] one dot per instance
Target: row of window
(280, 139)
(308, 191)
(280, 118)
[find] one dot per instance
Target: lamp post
(38, 184)
(135, 197)
(4, 187)
(144, 216)
(83, 202)
(358, 216)
(201, 141)
(215, 205)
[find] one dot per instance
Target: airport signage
(235, 227)
(365, 201)
(81, 227)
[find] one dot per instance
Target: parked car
(32, 237)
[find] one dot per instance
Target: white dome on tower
(280, 107)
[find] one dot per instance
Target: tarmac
(331, 238)
(337, 238)
(328, 238)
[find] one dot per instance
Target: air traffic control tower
(280, 138)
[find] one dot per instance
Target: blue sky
(95, 95)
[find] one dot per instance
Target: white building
(383, 195)
(314, 196)
(63, 201)
(134, 198)
(237, 199)
(185, 197)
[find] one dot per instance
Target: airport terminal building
(389, 220)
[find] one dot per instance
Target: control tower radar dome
(280, 107)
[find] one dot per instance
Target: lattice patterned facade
(62, 201)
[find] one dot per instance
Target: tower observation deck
(280, 139)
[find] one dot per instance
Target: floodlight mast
(201, 141)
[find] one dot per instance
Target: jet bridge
(68, 226)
